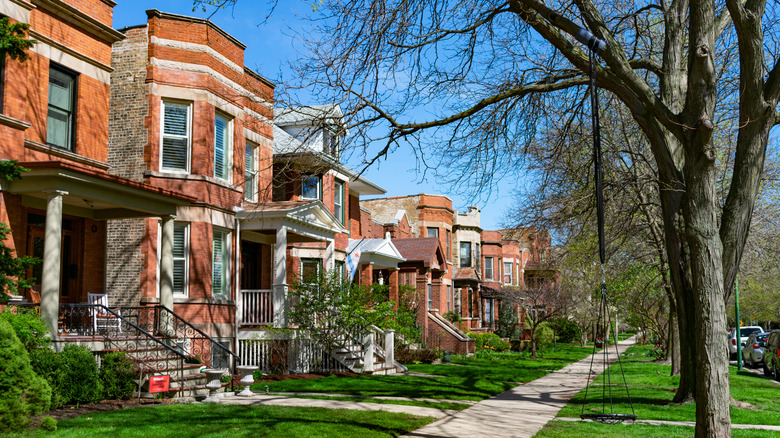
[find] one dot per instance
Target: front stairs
(374, 354)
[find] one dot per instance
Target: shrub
(28, 326)
(50, 365)
(490, 341)
(406, 355)
(48, 423)
(23, 394)
(81, 383)
(544, 335)
(117, 374)
(452, 317)
(565, 330)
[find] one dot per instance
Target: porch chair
(100, 318)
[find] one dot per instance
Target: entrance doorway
(70, 260)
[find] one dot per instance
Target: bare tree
(481, 74)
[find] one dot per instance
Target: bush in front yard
(81, 381)
(117, 374)
(23, 394)
(28, 326)
(406, 355)
(489, 341)
(51, 366)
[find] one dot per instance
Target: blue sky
(270, 46)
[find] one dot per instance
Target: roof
(308, 115)
(426, 250)
(380, 252)
(465, 274)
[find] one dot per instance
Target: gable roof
(426, 250)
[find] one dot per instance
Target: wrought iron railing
(117, 332)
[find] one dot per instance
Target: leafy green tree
(13, 39)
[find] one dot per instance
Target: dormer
(317, 129)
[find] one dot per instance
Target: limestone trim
(70, 58)
(204, 214)
(200, 48)
(197, 68)
(62, 153)
(19, 10)
(258, 138)
(81, 20)
(13, 123)
(257, 116)
(191, 177)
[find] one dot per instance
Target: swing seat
(608, 418)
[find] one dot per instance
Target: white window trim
(252, 196)
(225, 262)
(339, 188)
(490, 271)
(186, 292)
(511, 273)
(189, 136)
(228, 148)
(319, 186)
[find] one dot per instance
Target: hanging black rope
(603, 321)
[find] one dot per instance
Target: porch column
(367, 274)
(330, 256)
(166, 273)
(52, 259)
(280, 278)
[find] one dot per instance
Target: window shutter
(175, 136)
(217, 285)
(220, 147)
(179, 258)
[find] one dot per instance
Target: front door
(70, 266)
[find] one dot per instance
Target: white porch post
(390, 348)
(280, 278)
(368, 351)
(52, 259)
(166, 272)
(330, 255)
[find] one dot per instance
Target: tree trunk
(673, 349)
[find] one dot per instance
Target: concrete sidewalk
(524, 410)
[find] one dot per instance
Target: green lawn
(452, 406)
(566, 429)
(465, 379)
(652, 390)
(185, 421)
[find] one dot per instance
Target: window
(181, 250)
(542, 256)
(488, 268)
(310, 269)
(477, 257)
(220, 269)
(430, 296)
(507, 272)
(222, 143)
(310, 187)
(449, 245)
(465, 254)
(449, 298)
(432, 232)
(332, 141)
(61, 118)
(471, 302)
(338, 200)
(175, 149)
(250, 172)
(340, 270)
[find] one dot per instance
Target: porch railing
(181, 335)
(255, 307)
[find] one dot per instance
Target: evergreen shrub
(28, 326)
(565, 330)
(23, 394)
(117, 374)
(81, 382)
(50, 365)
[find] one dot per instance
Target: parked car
(753, 353)
(744, 333)
(771, 359)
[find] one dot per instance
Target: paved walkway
(523, 410)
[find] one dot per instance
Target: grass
(652, 389)
(452, 406)
(566, 429)
(185, 421)
(465, 379)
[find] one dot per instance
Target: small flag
(352, 263)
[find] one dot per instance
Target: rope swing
(606, 414)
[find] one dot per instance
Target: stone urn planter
(247, 379)
(214, 384)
